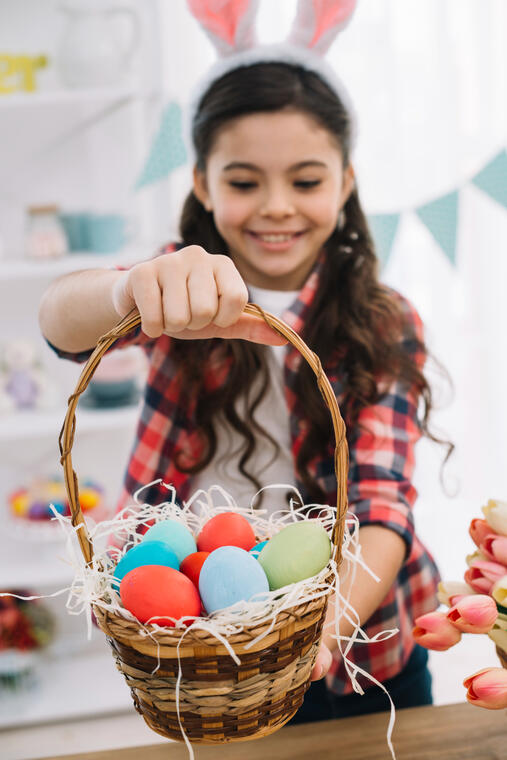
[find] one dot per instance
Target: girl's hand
(322, 663)
(190, 294)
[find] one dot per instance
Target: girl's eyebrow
(252, 167)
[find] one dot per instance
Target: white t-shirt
(272, 415)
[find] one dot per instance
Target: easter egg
(59, 507)
(39, 510)
(256, 550)
(298, 551)
(192, 564)
(229, 575)
(175, 534)
(158, 592)
(88, 499)
(226, 529)
(146, 553)
(20, 502)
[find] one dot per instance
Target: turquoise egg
(256, 550)
(175, 534)
(228, 575)
(298, 551)
(146, 553)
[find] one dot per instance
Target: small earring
(342, 220)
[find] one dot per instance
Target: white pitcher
(90, 54)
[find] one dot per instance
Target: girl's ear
(348, 184)
(201, 189)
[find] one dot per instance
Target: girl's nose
(277, 204)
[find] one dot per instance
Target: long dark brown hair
(353, 319)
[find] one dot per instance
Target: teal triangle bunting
(167, 150)
(383, 230)
(441, 219)
(493, 178)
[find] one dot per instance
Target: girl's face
(275, 183)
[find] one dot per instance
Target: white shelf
(97, 688)
(26, 564)
(36, 424)
(19, 269)
(68, 97)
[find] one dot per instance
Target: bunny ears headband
(229, 24)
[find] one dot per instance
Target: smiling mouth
(276, 237)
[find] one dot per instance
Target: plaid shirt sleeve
(382, 452)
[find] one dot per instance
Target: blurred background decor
(117, 381)
(26, 627)
(90, 53)
(24, 383)
(18, 73)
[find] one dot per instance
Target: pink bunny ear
(318, 22)
(228, 23)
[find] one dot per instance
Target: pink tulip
(495, 548)
(473, 614)
(435, 631)
(487, 688)
(478, 530)
(482, 575)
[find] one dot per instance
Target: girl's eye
(307, 184)
(242, 185)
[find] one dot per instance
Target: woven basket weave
(219, 701)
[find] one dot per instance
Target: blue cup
(96, 233)
(107, 233)
(76, 231)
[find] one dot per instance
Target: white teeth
(275, 238)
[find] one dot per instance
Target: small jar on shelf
(45, 235)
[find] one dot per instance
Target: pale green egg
(298, 551)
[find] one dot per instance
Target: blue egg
(256, 550)
(229, 575)
(175, 534)
(146, 553)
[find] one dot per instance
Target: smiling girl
(274, 216)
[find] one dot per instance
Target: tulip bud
(482, 575)
(487, 688)
(499, 591)
(473, 614)
(495, 548)
(435, 631)
(495, 513)
(450, 591)
(476, 556)
(478, 530)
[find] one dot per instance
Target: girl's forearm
(383, 551)
(78, 308)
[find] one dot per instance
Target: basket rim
(165, 642)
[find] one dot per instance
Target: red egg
(191, 566)
(155, 593)
(226, 529)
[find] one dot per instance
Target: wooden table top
(449, 732)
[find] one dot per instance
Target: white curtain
(429, 84)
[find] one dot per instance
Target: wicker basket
(219, 701)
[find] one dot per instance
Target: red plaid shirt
(380, 488)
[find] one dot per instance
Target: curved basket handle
(128, 323)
